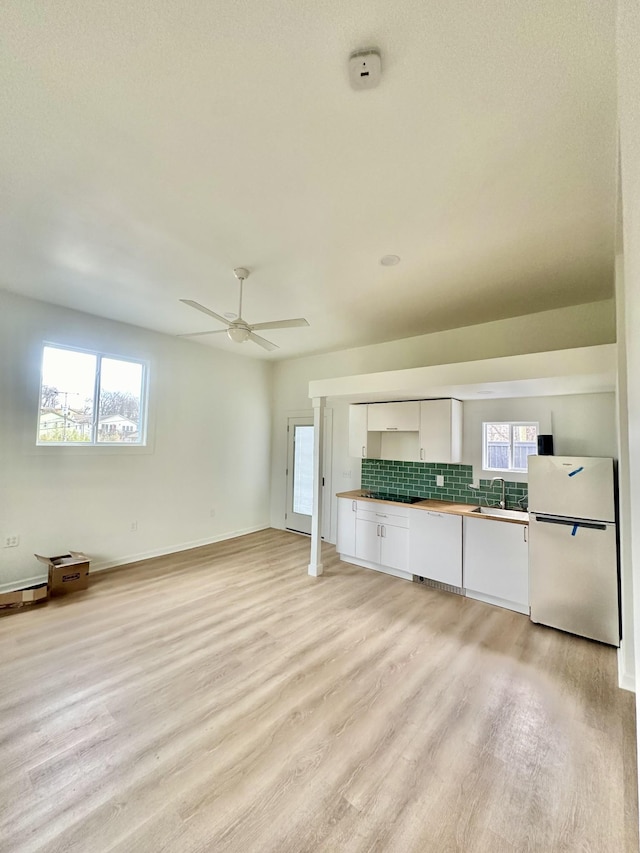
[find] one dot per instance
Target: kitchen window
(91, 398)
(506, 445)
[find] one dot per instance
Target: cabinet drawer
(383, 513)
(383, 518)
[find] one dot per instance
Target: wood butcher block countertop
(433, 505)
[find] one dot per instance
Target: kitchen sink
(496, 512)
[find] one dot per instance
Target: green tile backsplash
(419, 479)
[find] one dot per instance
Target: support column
(315, 564)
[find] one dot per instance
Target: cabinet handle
(525, 533)
(364, 451)
(384, 531)
(378, 530)
(353, 506)
(422, 454)
(388, 428)
(381, 515)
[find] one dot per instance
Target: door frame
(327, 503)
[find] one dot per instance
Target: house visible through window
(90, 398)
(505, 446)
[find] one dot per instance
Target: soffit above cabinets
(586, 370)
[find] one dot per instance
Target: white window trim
(521, 472)
(94, 445)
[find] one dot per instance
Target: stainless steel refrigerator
(573, 564)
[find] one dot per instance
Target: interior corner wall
(628, 50)
(204, 476)
(565, 328)
(626, 654)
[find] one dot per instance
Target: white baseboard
(101, 565)
(517, 606)
(626, 675)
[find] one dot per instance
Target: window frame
(511, 425)
(94, 443)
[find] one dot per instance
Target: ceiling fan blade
(204, 310)
(282, 324)
(198, 334)
(262, 342)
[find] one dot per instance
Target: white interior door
(300, 475)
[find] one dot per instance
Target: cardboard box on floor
(67, 573)
(19, 598)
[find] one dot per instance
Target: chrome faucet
(503, 503)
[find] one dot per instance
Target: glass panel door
(299, 474)
(303, 470)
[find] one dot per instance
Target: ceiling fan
(239, 330)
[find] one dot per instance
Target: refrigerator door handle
(592, 525)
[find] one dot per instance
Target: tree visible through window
(507, 445)
(73, 380)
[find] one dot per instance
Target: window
(90, 398)
(505, 446)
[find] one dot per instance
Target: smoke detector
(365, 68)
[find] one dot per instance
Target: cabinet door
(394, 547)
(367, 540)
(362, 443)
(346, 538)
(357, 431)
(395, 417)
(496, 561)
(435, 546)
(440, 431)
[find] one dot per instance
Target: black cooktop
(387, 496)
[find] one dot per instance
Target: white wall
(581, 425)
(582, 325)
(209, 431)
(628, 50)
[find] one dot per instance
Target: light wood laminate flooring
(222, 700)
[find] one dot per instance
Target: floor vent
(445, 587)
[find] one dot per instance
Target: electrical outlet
(11, 541)
(212, 512)
(346, 475)
(134, 526)
(440, 480)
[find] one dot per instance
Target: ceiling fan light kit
(238, 334)
(239, 330)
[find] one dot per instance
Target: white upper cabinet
(440, 431)
(394, 417)
(412, 431)
(362, 443)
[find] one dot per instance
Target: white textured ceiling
(148, 147)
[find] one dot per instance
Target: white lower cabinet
(394, 547)
(374, 535)
(346, 537)
(435, 546)
(496, 563)
(488, 559)
(382, 535)
(367, 540)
